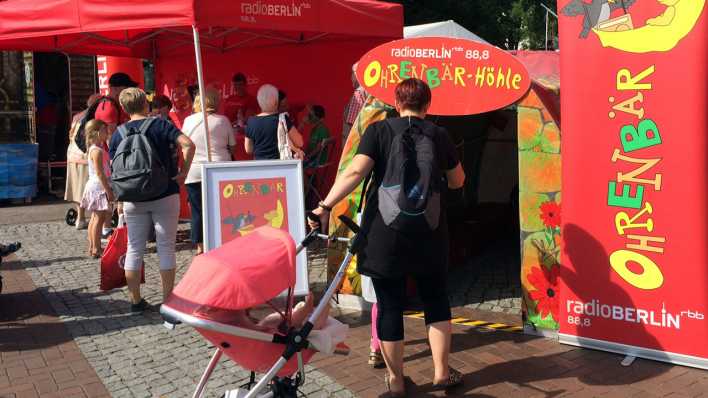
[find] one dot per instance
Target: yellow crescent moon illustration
(662, 33)
(276, 216)
(246, 230)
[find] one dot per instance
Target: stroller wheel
(71, 216)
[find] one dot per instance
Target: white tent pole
(200, 78)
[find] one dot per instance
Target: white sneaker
(81, 224)
(106, 235)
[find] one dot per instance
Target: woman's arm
(455, 177)
(358, 169)
(248, 145)
(188, 150)
(97, 160)
(296, 137)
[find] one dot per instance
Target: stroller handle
(315, 233)
(348, 222)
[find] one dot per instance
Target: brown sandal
(453, 380)
(376, 359)
(392, 394)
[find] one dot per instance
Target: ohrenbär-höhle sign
(465, 77)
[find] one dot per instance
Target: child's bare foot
(304, 310)
(309, 303)
(322, 320)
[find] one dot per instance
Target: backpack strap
(142, 129)
(145, 125)
(364, 188)
(123, 131)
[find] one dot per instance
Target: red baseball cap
(107, 113)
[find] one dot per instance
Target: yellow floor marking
(469, 322)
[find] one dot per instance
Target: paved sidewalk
(38, 357)
(134, 356)
(83, 343)
(503, 364)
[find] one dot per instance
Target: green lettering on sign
(432, 75)
(624, 200)
(633, 140)
(405, 69)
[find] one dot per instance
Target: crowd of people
(100, 135)
(175, 127)
(241, 127)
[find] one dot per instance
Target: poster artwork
(251, 203)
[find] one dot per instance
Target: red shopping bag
(112, 273)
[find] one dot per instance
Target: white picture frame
(264, 175)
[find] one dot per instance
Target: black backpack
(137, 173)
(409, 195)
(80, 137)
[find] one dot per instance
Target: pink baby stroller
(248, 272)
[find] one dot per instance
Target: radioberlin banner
(465, 77)
(634, 276)
(277, 12)
(106, 66)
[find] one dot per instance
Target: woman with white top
(221, 140)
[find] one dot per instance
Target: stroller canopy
(243, 273)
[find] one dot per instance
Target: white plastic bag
(325, 340)
(367, 289)
(283, 139)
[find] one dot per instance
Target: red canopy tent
(161, 28)
(170, 32)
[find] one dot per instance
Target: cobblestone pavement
(134, 356)
(489, 280)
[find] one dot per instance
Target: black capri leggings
(391, 297)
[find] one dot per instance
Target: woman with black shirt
(390, 255)
(262, 129)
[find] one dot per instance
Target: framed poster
(239, 197)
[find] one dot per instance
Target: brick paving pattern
(38, 357)
(134, 356)
(502, 364)
(127, 356)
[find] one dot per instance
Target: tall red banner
(634, 276)
(106, 66)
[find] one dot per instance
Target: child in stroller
(225, 286)
(270, 323)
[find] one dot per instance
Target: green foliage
(504, 23)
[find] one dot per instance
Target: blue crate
(18, 192)
(18, 171)
(22, 174)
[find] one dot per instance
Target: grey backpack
(137, 173)
(409, 195)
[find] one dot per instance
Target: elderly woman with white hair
(221, 140)
(262, 129)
